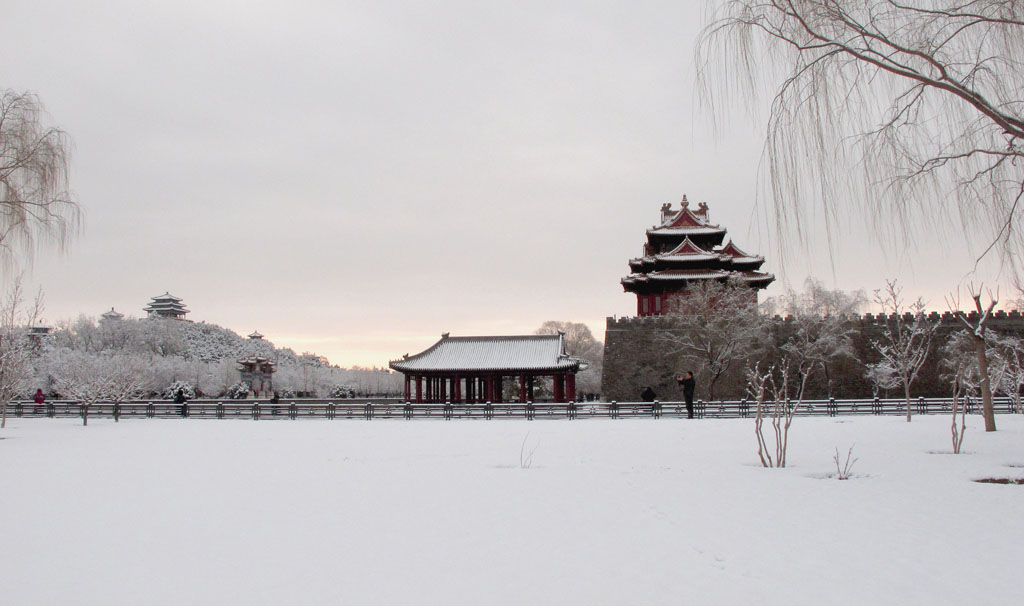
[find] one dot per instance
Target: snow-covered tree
(16, 347)
(906, 339)
(580, 342)
(1009, 375)
(716, 325)
(822, 329)
(90, 378)
(977, 328)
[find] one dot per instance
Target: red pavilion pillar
(407, 388)
(570, 387)
(456, 390)
(522, 389)
(419, 390)
(559, 387)
(444, 389)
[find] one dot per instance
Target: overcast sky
(355, 178)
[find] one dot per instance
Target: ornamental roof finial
(685, 204)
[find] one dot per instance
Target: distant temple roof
(167, 306)
(255, 335)
(481, 354)
(112, 315)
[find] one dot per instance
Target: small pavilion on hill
(166, 306)
(474, 369)
(685, 249)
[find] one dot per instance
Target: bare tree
(822, 329)
(906, 338)
(770, 391)
(976, 331)
(35, 204)
(899, 106)
(15, 345)
(716, 324)
(579, 341)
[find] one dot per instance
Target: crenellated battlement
(635, 356)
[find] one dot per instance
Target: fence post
(613, 410)
(922, 406)
(150, 410)
(256, 411)
(744, 408)
(701, 406)
(656, 409)
(51, 410)
(570, 410)
(368, 411)
(488, 411)
(331, 410)
(876, 406)
(449, 411)
(407, 410)
(117, 412)
(833, 409)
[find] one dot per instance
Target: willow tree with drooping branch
(36, 205)
(912, 111)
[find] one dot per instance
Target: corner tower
(684, 249)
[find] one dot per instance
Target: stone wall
(634, 359)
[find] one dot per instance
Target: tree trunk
(906, 394)
(986, 387)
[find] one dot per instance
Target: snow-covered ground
(669, 511)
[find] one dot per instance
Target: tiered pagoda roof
(166, 306)
(686, 248)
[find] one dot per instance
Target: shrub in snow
(186, 388)
(238, 391)
(343, 391)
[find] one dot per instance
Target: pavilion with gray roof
(474, 369)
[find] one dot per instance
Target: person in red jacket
(39, 398)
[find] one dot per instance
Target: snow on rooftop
(523, 352)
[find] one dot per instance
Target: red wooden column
(522, 389)
(499, 386)
(559, 386)
(407, 388)
(489, 389)
(430, 389)
(529, 388)
(456, 389)
(444, 389)
(469, 390)
(419, 390)
(570, 387)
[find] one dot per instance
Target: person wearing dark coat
(648, 395)
(689, 385)
(180, 398)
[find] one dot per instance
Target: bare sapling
(845, 471)
(976, 327)
(770, 390)
(526, 458)
(959, 411)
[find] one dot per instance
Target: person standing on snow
(689, 385)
